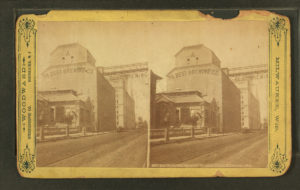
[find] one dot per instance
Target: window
(188, 61)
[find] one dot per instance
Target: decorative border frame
(277, 30)
(26, 94)
(279, 129)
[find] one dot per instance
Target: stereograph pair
(114, 94)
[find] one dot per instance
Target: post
(192, 132)
(166, 135)
(208, 131)
(84, 131)
(42, 133)
(67, 131)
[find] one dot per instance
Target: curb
(69, 137)
(162, 142)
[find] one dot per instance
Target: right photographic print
(211, 103)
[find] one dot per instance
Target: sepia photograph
(211, 103)
(152, 94)
(93, 98)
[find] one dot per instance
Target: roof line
(68, 44)
(246, 67)
(184, 47)
(187, 66)
(126, 65)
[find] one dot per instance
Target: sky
(236, 43)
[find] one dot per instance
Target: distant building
(136, 82)
(125, 113)
(250, 112)
(255, 80)
(181, 108)
(72, 67)
(197, 68)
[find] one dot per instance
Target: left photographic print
(91, 110)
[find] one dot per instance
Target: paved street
(235, 150)
(124, 149)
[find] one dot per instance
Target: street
(124, 149)
(235, 150)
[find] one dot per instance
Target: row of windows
(188, 59)
(63, 58)
(120, 76)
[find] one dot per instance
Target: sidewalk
(185, 138)
(71, 136)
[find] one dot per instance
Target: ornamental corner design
(27, 159)
(26, 28)
(278, 161)
(277, 26)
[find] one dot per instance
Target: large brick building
(250, 112)
(197, 68)
(125, 109)
(72, 67)
(253, 84)
(134, 82)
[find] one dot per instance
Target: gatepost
(192, 132)
(166, 134)
(42, 133)
(67, 130)
(84, 131)
(208, 131)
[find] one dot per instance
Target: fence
(176, 132)
(52, 131)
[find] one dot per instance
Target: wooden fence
(176, 132)
(52, 131)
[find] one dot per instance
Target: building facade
(72, 67)
(180, 108)
(250, 112)
(43, 111)
(197, 68)
(105, 104)
(139, 84)
(256, 79)
(125, 114)
(63, 107)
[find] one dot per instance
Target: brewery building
(72, 84)
(197, 68)
(99, 98)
